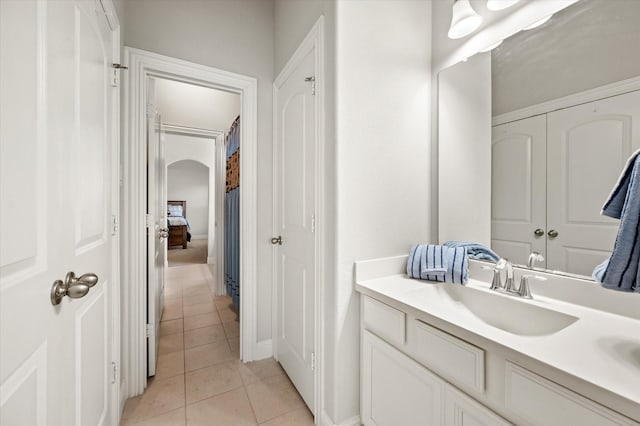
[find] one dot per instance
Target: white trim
(607, 91)
(143, 64)
(313, 40)
(220, 179)
(191, 131)
(325, 420)
(264, 349)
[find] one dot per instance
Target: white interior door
(295, 194)
(588, 145)
(157, 230)
(56, 141)
(518, 189)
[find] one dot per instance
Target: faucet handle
(524, 290)
(496, 283)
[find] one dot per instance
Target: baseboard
(211, 260)
(123, 399)
(263, 349)
(199, 237)
(325, 420)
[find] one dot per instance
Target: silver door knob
(538, 232)
(164, 229)
(72, 286)
(552, 234)
(164, 234)
(277, 240)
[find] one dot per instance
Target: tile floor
(200, 379)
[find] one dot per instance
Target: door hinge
(312, 79)
(114, 372)
(149, 330)
(313, 361)
(150, 221)
(313, 223)
(115, 78)
(114, 224)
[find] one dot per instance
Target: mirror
(534, 135)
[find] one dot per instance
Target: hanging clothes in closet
(232, 215)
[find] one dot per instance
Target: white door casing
(518, 188)
(156, 226)
(588, 146)
(295, 161)
(56, 143)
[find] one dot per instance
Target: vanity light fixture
(537, 23)
(464, 19)
(500, 4)
(493, 46)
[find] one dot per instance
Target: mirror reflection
(565, 108)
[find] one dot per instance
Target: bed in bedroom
(178, 225)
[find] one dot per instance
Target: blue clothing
(438, 263)
(475, 250)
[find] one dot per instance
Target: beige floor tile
(234, 344)
(161, 396)
(273, 397)
(231, 408)
(195, 300)
(206, 355)
(223, 302)
(202, 320)
(172, 310)
(199, 308)
(173, 296)
(171, 343)
(172, 418)
(253, 372)
(204, 335)
(169, 365)
(171, 326)
(211, 381)
(199, 290)
(232, 329)
(227, 314)
(301, 417)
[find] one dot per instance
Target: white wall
(194, 106)
(587, 45)
(189, 180)
(184, 147)
(232, 35)
(383, 158)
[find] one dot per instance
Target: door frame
(143, 64)
(313, 40)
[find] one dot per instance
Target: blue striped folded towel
(622, 270)
(438, 263)
(475, 250)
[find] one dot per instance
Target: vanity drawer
(454, 359)
(384, 321)
(539, 401)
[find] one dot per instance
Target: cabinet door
(461, 410)
(518, 188)
(395, 390)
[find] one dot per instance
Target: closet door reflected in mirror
(575, 155)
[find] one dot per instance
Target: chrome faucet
(501, 265)
(533, 258)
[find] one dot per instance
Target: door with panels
(295, 201)
(518, 188)
(588, 146)
(56, 152)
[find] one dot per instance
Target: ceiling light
(537, 23)
(500, 4)
(464, 19)
(493, 46)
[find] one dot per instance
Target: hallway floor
(200, 379)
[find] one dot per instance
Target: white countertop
(600, 348)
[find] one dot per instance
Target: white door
(295, 195)
(518, 189)
(157, 230)
(588, 146)
(56, 142)
(396, 390)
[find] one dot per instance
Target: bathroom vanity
(445, 354)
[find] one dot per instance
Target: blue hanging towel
(621, 271)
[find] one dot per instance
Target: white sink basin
(508, 313)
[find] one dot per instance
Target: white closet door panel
(518, 199)
(588, 145)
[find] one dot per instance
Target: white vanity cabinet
(415, 373)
